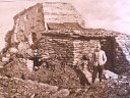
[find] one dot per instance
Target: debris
(30, 64)
(110, 75)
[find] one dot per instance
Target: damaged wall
(122, 59)
(29, 21)
(58, 12)
(27, 29)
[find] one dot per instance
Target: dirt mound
(64, 77)
(46, 83)
(18, 88)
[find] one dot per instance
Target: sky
(108, 14)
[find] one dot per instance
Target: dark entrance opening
(108, 45)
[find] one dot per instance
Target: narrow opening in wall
(108, 46)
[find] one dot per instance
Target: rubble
(15, 87)
(118, 88)
(110, 75)
(60, 76)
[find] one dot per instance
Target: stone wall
(124, 44)
(58, 12)
(88, 45)
(71, 50)
(58, 50)
(116, 49)
(28, 28)
(83, 47)
(28, 21)
(122, 59)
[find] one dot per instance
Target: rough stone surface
(63, 77)
(61, 13)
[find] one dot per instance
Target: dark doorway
(108, 45)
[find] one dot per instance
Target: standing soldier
(99, 61)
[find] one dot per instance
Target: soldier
(99, 61)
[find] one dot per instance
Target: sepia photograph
(64, 49)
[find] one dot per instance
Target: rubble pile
(62, 77)
(118, 88)
(115, 88)
(18, 88)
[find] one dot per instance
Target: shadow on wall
(122, 65)
(107, 45)
(116, 59)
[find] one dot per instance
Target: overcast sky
(108, 14)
